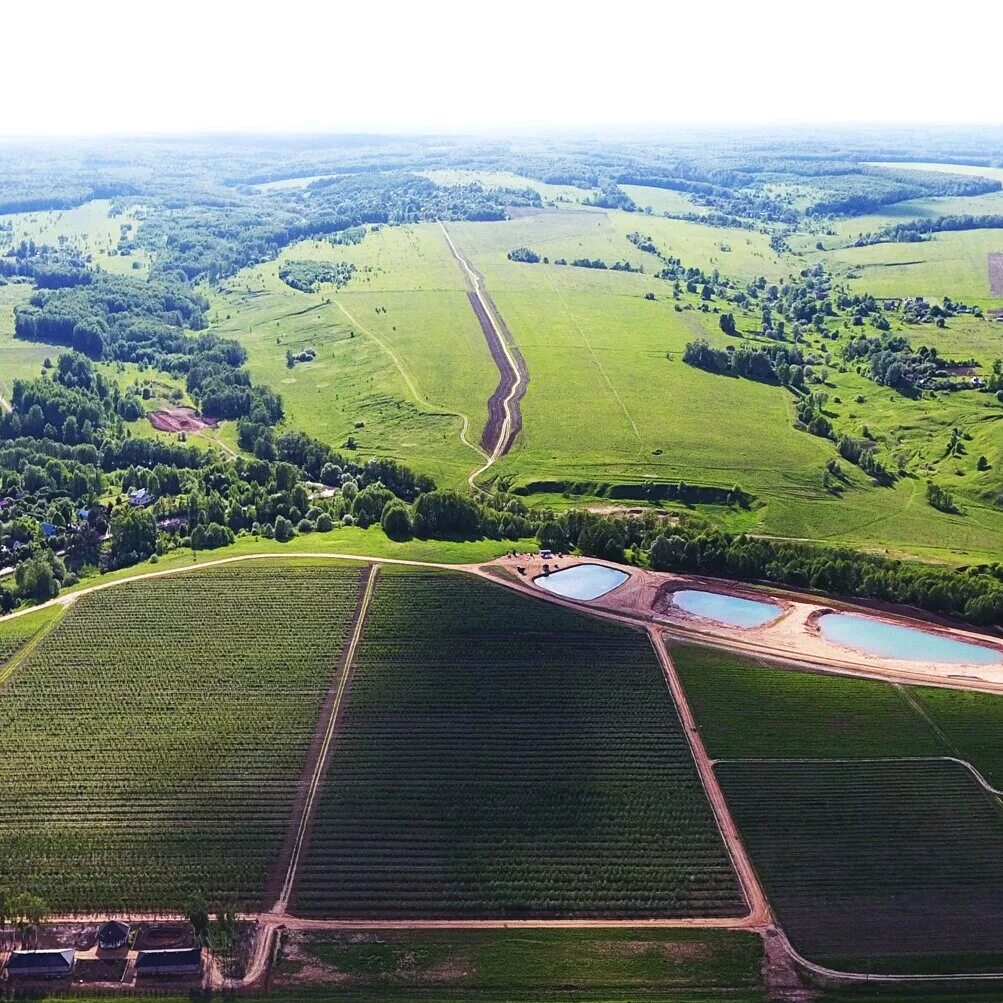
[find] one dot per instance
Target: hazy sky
(182, 66)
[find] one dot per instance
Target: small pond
(732, 610)
(583, 581)
(875, 637)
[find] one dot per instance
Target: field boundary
(317, 760)
(748, 881)
(12, 664)
(850, 761)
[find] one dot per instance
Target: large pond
(733, 610)
(875, 637)
(583, 581)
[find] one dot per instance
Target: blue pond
(726, 609)
(583, 581)
(878, 638)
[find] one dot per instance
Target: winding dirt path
(504, 413)
(409, 382)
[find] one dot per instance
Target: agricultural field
(17, 633)
(151, 745)
(971, 724)
(748, 710)
(525, 964)
(876, 866)
(502, 757)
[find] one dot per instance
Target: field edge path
(304, 825)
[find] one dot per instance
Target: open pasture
(399, 349)
(876, 866)
(93, 228)
(152, 744)
(501, 757)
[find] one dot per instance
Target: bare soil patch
(162, 936)
(180, 419)
(996, 273)
(496, 403)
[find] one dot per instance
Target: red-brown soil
(180, 419)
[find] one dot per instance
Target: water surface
(583, 581)
(875, 637)
(732, 610)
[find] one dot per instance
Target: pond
(732, 610)
(583, 581)
(875, 637)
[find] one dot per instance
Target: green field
(971, 723)
(498, 756)
(399, 349)
(17, 633)
(526, 964)
(747, 710)
(884, 867)
(151, 745)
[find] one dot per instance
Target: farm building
(113, 935)
(138, 497)
(41, 964)
(171, 961)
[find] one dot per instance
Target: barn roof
(173, 957)
(33, 962)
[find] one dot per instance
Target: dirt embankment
(506, 383)
(180, 419)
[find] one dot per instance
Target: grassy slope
(408, 294)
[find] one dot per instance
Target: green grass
(398, 349)
(91, 228)
(152, 744)
(501, 757)
(747, 710)
(663, 200)
(878, 866)
(523, 964)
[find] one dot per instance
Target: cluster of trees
(673, 270)
(306, 275)
(611, 196)
(525, 255)
(861, 453)
(49, 267)
(941, 499)
(892, 361)
(769, 364)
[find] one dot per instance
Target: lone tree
(727, 323)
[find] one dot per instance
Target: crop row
(151, 746)
(500, 756)
(882, 864)
(747, 710)
(16, 633)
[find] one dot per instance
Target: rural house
(41, 964)
(170, 961)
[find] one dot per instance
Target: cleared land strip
(504, 412)
(319, 756)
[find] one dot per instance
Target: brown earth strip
(507, 379)
(996, 273)
(281, 882)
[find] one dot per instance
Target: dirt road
(504, 414)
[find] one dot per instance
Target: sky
(148, 66)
